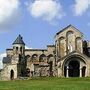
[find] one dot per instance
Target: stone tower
(19, 55)
(14, 62)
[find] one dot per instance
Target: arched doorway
(12, 75)
(83, 71)
(74, 68)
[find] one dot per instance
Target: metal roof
(19, 40)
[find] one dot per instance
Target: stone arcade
(69, 57)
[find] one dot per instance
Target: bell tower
(18, 50)
(19, 55)
(18, 46)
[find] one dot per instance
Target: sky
(39, 20)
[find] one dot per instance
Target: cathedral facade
(69, 57)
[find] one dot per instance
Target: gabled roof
(19, 40)
(68, 27)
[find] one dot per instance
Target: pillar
(67, 71)
(80, 74)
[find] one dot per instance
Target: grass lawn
(47, 84)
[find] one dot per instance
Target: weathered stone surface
(64, 59)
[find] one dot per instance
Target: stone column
(86, 72)
(67, 71)
(80, 74)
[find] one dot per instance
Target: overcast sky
(39, 20)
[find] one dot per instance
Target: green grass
(47, 84)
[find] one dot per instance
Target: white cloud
(81, 7)
(1, 58)
(9, 11)
(48, 10)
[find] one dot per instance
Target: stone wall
(6, 72)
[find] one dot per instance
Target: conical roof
(19, 40)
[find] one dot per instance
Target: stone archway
(11, 74)
(74, 67)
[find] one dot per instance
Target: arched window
(13, 47)
(34, 57)
(28, 57)
(62, 46)
(16, 50)
(20, 49)
(70, 41)
(50, 57)
(79, 44)
(42, 58)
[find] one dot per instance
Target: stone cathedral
(68, 57)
